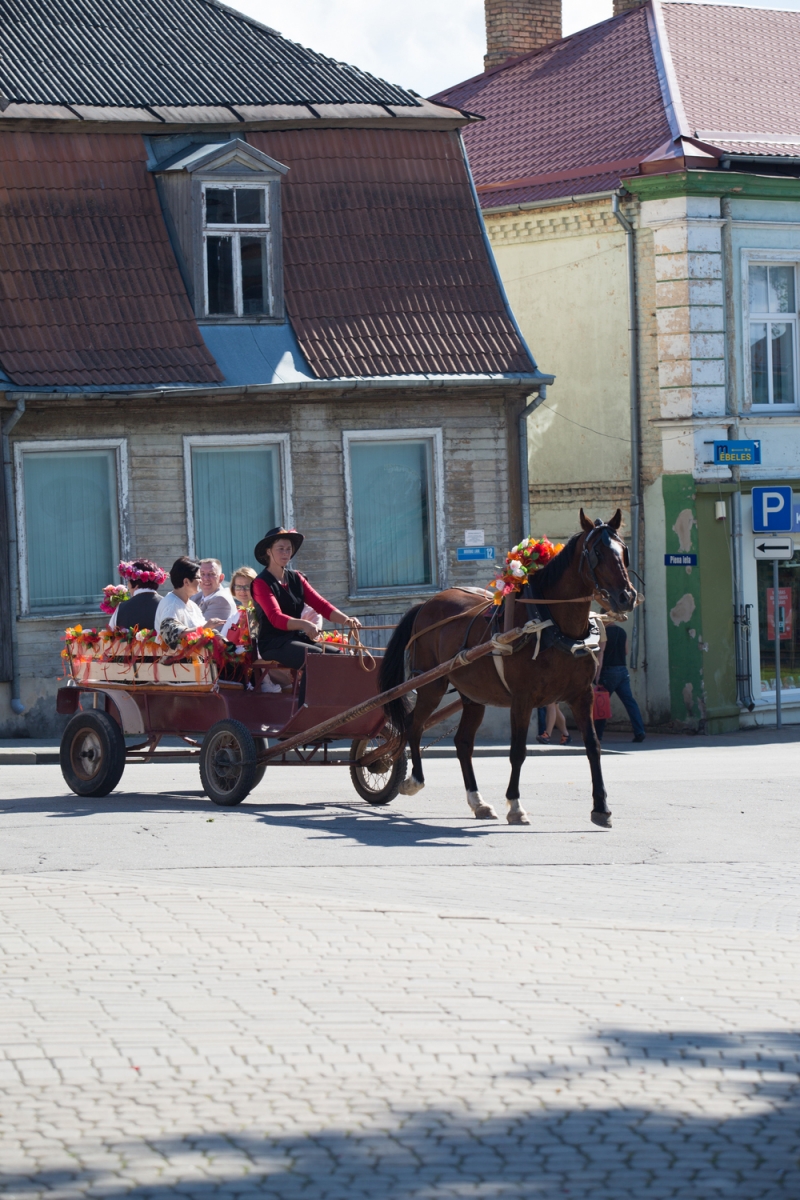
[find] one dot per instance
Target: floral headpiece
(520, 564)
(142, 571)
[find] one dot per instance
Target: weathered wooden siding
(476, 455)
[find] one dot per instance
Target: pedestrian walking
(614, 677)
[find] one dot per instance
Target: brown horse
(592, 566)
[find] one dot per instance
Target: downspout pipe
(636, 470)
(524, 483)
(17, 707)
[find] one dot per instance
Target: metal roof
(167, 53)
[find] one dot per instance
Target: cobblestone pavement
(407, 1011)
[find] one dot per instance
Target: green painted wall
(716, 603)
(684, 607)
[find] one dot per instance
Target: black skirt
(289, 649)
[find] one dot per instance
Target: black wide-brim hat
(263, 546)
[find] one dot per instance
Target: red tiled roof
(737, 73)
(569, 111)
(386, 270)
(90, 293)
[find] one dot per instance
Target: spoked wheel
(228, 767)
(92, 754)
(380, 782)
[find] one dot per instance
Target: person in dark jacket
(279, 597)
(614, 677)
(144, 578)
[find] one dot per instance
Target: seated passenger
(241, 584)
(177, 612)
(280, 596)
(144, 578)
(214, 601)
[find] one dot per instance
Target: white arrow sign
(780, 547)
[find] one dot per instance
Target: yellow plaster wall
(566, 276)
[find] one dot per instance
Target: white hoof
(410, 786)
(517, 816)
(483, 812)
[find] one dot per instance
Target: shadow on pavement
(540, 1150)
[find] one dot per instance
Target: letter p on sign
(772, 509)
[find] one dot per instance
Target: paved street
(307, 997)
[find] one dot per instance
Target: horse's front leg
(520, 720)
(468, 727)
(428, 699)
(582, 711)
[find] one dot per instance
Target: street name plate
(773, 548)
(680, 560)
(731, 453)
(475, 553)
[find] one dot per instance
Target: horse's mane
(549, 576)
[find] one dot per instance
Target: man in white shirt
(214, 601)
(177, 612)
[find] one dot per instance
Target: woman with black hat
(279, 597)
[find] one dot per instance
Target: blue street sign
(795, 516)
(772, 510)
(680, 560)
(730, 453)
(475, 553)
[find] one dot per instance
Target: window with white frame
(392, 510)
(236, 489)
(773, 333)
(236, 250)
(68, 506)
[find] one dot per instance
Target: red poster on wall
(784, 614)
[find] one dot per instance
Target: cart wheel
(380, 782)
(228, 763)
(92, 754)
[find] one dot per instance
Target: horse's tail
(393, 668)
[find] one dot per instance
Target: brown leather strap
(470, 612)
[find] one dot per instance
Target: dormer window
(236, 236)
(223, 207)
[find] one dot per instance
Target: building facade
(241, 285)
(651, 242)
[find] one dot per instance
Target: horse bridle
(601, 535)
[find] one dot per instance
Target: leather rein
(589, 558)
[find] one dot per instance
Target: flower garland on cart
(140, 655)
(520, 563)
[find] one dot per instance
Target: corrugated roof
(168, 53)
(564, 119)
(90, 293)
(386, 268)
(737, 72)
(565, 111)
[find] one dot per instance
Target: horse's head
(604, 563)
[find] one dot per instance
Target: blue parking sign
(772, 510)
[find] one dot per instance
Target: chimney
(515, 27)
(621, 6)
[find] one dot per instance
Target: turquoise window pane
(71, 528)
(392, 512)
(236, 494)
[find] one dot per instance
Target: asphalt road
(308, 997)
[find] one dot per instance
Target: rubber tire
(392, 779)
(92, 733)
(261, 744)
(241, 766)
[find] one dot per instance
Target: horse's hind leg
(520, 720)
(428, 699)
(582, 711)
(468, 727)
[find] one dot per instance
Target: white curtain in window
(236, 495)
(392, 511)
(71, 527)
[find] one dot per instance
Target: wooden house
(240, 284)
